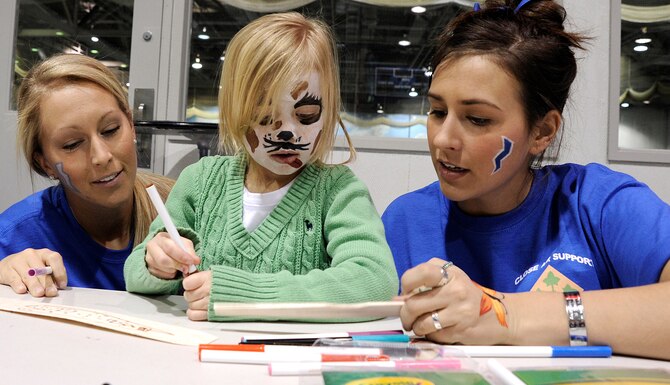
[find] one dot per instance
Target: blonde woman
(75, 126)
(273, 223)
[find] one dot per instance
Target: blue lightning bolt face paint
(64, 177)
(507, 144)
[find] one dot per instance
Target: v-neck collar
(251, 244)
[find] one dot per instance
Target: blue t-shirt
(45, 220)
(580, 227)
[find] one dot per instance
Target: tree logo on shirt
(552, 280)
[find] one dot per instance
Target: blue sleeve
(633, 224)
(636, 234)
(21, 229)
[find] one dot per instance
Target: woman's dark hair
(530, 43)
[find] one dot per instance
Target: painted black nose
(285, 135)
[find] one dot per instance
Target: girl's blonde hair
(61, 70)
(266, 55)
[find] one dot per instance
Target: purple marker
(39, 271)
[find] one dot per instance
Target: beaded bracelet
(576, 323)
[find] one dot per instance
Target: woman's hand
(14, 272)
(165, 258)
(456, 310)
(196, 294)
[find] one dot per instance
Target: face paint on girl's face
(284, 144)
(64, 177)
(507, 145)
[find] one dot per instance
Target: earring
(135, 140)
(51, 177)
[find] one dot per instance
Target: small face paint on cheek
(65, 178)
(252, 139)
(507, 145)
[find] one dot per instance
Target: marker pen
(167, 221)
(32, 272)
(504, 375)
(241, 357)
(309, 339)
(290, 349)
(530, 351)
(315, 368)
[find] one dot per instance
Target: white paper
(113, 321)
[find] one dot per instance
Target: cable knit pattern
(323, 242)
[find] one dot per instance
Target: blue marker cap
(581, 351)
(382, 338)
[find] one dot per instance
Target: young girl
(75, 126)
(567, 239)
(272, 223)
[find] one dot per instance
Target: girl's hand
(164, 258)
(14, 272)
(196, 294)
(456, 310)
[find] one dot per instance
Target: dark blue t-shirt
(580, 227)
(45, 220)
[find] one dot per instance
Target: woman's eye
(71, 146)
(111, 131)
(479, 121)
(437, 113)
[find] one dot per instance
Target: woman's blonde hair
(55, 73)
(262, 58)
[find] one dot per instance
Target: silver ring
(445, 273)
(436, 321)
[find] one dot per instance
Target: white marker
(504, 375)
(167, 221)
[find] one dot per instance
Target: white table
(39, 350)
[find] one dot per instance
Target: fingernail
(52, 290)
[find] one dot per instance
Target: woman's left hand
(456, 310)
(196, 294)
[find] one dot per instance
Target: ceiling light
(95, 39)
(197, 65)
(418, 9)
(625, 105)
(647, 101)
(203, 35)
(640, 48)
(643, 40)
(404, 43)
(94, 51)
(413, 93)
(380, 109)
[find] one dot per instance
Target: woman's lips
(449, 172)
(108, 179)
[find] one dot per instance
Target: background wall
(389, 174)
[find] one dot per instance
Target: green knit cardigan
(324, 242)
